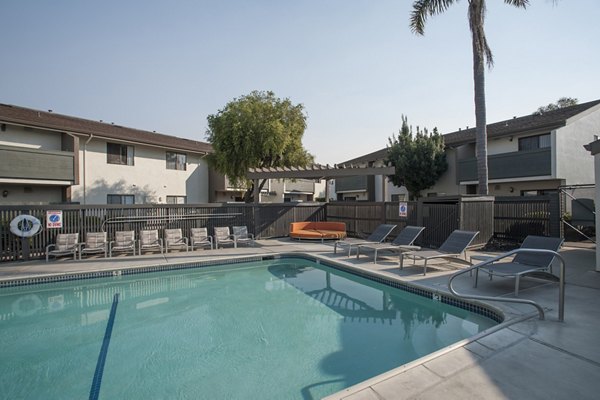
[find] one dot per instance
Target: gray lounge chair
(241, 236)
(222, 237)
(526, 261)
(95, 242)
(200, 238)
(124, 242)
(403, 242)
(378, 236)
(149, 240)
(452, 249)
(174, 239)
(66, 244)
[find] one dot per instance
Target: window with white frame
(176, 199)
(121, 154)
(176, 161)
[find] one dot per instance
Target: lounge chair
(149, 240)
(66, 244)
(241, 236)
(403, 242)
(95, 242)
(124, 242)
(200, 238)
(175, 239)
(452, 249)
(378, 236)
(526, 261)
(222, 236)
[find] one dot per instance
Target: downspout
(84, 170)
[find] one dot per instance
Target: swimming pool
(281, 328)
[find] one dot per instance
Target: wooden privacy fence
(504, 218)
(439, 215)
(517, 217)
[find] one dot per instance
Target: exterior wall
(573, 162)
(31, 138)
(148, 179)
(503, 145)
(446, 185)
(29, 194)
(597, 181)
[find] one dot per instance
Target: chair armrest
(50, 246)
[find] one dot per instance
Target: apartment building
(528, 155)
(48, 158)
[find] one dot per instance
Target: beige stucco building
(51, 158)
(528, 155)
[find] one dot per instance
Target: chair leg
(476, 277)
(401, 257)
(425, 268)
(517, 282)
(375, 257)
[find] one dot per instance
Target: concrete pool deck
(525, 358)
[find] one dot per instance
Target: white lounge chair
(66, 244)
(174, 239)
(223, 237)
(378, 236)
(124, 242)
(95, 243)
(241, 236)
(526, 261)
(403, 242)
(149, 240)
(200, 238)
(452, 249)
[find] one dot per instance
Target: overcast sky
(354, 64)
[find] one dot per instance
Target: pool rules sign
(54, 219)
(403, 210)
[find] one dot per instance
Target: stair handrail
(561, 284)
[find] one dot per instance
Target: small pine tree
(419, 159)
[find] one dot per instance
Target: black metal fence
(262, 220)
(504, 218)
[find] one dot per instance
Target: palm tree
(481, 54)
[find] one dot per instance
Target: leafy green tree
(481, 53)
(257, 130)
(419, 159)
(560, 103)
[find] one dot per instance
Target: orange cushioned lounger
(318, 230)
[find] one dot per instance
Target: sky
(355, 65)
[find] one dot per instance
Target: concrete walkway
(525, 358)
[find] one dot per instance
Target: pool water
(277, 329)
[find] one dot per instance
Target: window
(176, 161)
(534, 142)
(119, 154)
(176, 199)
(120, 199)
(399, 197)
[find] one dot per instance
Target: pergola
(316, 171)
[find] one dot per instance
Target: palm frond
(425, 8)
(517, 3)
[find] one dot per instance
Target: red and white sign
(54, 219)
(403, 210)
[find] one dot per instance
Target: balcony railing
(351, 183)
(519, 164)
(26, 163)
(300, 185)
